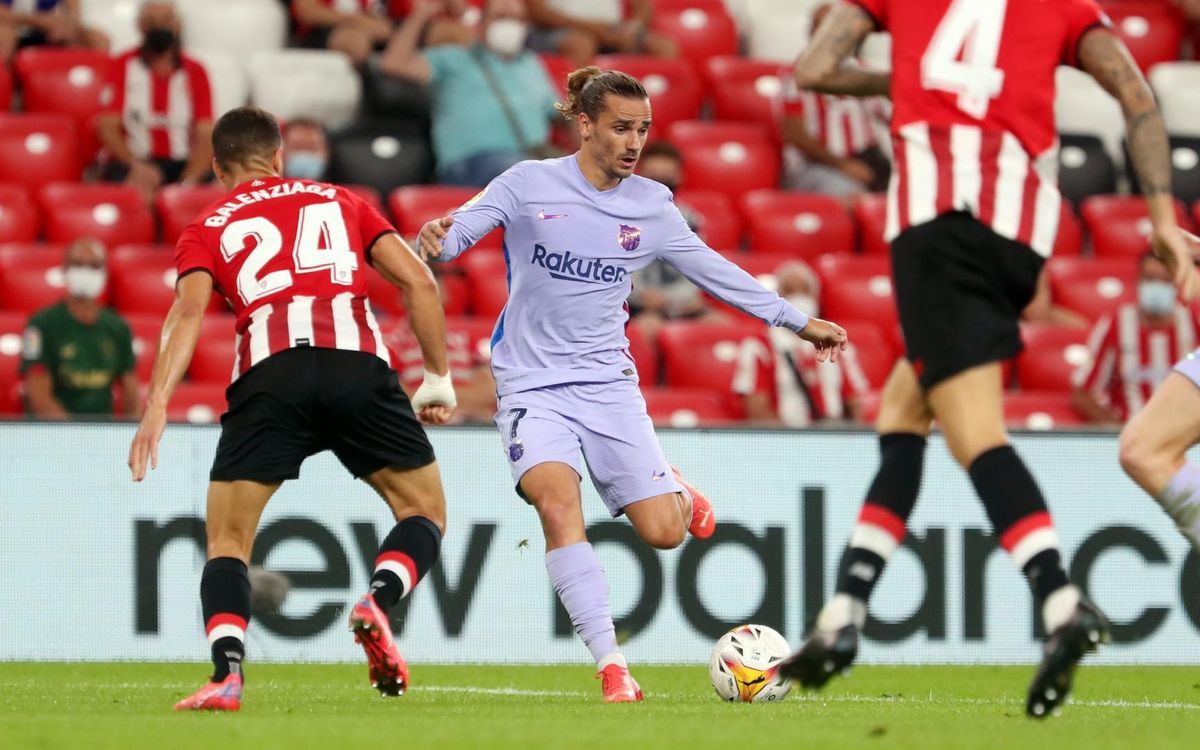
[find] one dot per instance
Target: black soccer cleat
(1065, 647)
(822, 655)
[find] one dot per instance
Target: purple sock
(1181, 500)
(583, 590)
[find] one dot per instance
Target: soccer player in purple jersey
(575, 229)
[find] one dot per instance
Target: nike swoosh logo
(544, 216)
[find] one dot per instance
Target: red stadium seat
(368, 194)
(385, 299)
(688, 407)
(18, 214)
(146, 329)
(31, 276)
(455, 293)
(487, 282)
(39, 149)
(198, 403)
(1119, 224)
(857, 287)
(674, 88)
(12, 326)
(6, 96)
(799, 224)
(1070, 233)
(113, 214)
(1153, 31)
(141, 279)
(557, 68)
(701, 28)
(729, 157)
(1051, 356)
(645, 355)
(761, 266)
(179, 205)
(872, 351)
(473, 335)
(65, 81)
(871, 212)
(1039, 410)
(720, 225)
(745, 90)
(1092, 287)
(414, 205)
(216, 351)
(713, 355)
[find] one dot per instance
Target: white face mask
(506, 36)
(84, 282)
(805, 303)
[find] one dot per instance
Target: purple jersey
(571, 250)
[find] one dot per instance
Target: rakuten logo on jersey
(572, 268)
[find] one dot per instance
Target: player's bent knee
(1139, 459)
(662, 535)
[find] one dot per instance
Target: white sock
(1059, 607)
(1181, 501)
(842, 610)
(614, 658)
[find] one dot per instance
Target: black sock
(406, 555)
(225, 601)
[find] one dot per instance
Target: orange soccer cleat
(389, 673)
(215, 696)
(618, 685)
(704, 523)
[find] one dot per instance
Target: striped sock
(876, 536)
(406, 555)
(225, 601)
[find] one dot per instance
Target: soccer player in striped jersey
(973, 211)
(575, 229)
(311, 374)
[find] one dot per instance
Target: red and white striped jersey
(844, 124)
(159, 112)
(973, 109)
(290, 256)
(1128, 360)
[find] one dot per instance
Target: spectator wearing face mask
(157, 127)
(305, 150)
(492, 101)
(1133, 350)
(74, 351)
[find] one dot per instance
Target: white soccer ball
(745, 665)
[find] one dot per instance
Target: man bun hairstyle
(587, 87)
(245, 135)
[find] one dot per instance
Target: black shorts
(960, 289)
(302, 401)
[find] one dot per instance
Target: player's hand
(429, 241)
(829, 338)
(145, 442)
(434, 402)
(1177, 249)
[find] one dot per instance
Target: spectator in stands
(153, 139)
(1041, 309)
(41, 22)
(305, 150)
(357, 28)
(831, 143)
(1134, 349)
(470, 367)
(75, 351)
(579, 29)
(492, 102)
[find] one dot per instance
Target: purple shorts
(1189, 367)
(606, 421)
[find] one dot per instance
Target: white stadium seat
(1175, 84)
(778, 29)
(117, 18)
(238, 27)
(226, 77)
(317, 84)
(1083, 108)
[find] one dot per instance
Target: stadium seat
(178, 205)
(113, 214)
(239, 29)
(226, 79)
(141, 279)
(1185, 168)
(381, 154)
(1119, 225)
(801, 224)
(1153, 31)
(688, 407)
(332, 90)
(12, 328)
(1051, 356)
(745, 90)
(18, 214)
(714, 355)
(557, 69)
(116, 18)
(197, 403)
(857, 287)
(62, 80)
(645, 355)
(487, 282)
(473, 335)
(720, 225)
(1084, 167)
(146, 329)
(872, 351)
(870, 210)
(701, 29)
(31, 276)
(368, 194)
(1039, 410)
(1092, 287)
(1082, 107)
(1175, 86)
(1070, 233)
(728, 157)
(39, 149)
(761, 266)
(416, 204)
(216, 351)
(777, 29)
(675, 89)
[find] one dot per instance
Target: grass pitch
(128, 705)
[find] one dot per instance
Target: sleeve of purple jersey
(723, 279)
(492, 207)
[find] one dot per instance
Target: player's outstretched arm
(180, 332)
(434, 402)
(433, 232)
(820, 67)
(1105, 58)
(829, 338)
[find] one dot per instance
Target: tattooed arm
(820, 67)
(1105, 58)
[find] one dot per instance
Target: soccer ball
(745, 663)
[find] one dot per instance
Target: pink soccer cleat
(618, 685)
(704, 523)
(215, 696)
(389, 673)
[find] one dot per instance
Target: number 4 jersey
(973, 109)
(289, 255)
